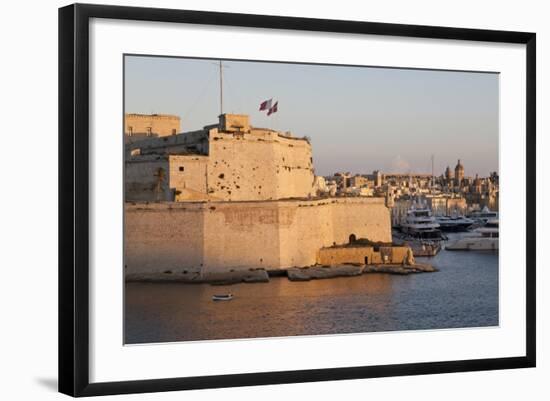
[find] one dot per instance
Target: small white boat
(222, 297)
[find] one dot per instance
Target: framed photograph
(251, 199)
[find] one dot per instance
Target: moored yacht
(421, 224)
(483, 216)
(482, 239)
(454, 223)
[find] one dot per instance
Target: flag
(265, 105)
(273, 109)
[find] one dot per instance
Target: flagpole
(221, 88)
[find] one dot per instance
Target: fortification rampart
(216, 237)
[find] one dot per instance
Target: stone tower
(459, 173)
(448, 175)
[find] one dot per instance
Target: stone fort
(229, 161)
(233, 196)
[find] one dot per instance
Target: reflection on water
(464, 293)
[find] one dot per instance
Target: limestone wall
(260, 165)
(160, 124)
(189, 142)
(218, 236)
(147, 179)
(188, 176)
(361, 255)
(155, 178)
(159, 238)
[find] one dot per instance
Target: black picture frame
(74, 198)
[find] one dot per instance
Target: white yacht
(482, 216)
(421, 224)
(482, 239)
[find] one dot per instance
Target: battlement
(155, 116)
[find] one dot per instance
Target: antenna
(432, 171)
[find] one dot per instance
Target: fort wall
(219, 236)
(146, 179)
(257, 165)
(165, 177)
(260, 165)
(159, 238)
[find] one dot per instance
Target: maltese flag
(273, 109)
(266, 105)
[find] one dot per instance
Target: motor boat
(421, 224)
(481, 217)
(454, 223)
(482, 239)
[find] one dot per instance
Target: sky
(359, 119)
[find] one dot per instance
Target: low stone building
(366, 254)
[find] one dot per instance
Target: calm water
(464, 293)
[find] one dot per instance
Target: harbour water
(463, 293)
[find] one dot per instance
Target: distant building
(459, 173)
(377, 178)
(448, 175)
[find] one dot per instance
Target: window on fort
(130, 130)
(173, 131)
(181, 168)
(149, 131)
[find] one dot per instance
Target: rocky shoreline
(293, 274)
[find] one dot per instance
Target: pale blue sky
(360, 119)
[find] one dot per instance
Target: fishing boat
(222, 297)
